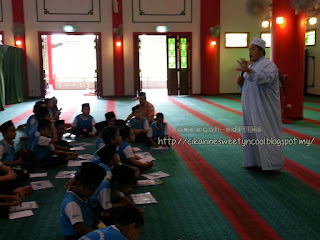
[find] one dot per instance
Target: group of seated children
(92, 201)
(100, 191)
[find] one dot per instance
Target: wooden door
(172, 63)
(184, 64)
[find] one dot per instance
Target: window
(172, 53)
(183, 53)
(236, 40)
(267, 38)
(310, 38)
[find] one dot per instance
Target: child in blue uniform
(7, 151)
(129, 222)
(139, 125)
(158, 131)
(99, 126)
(9, 184)
(32, 119)
(101, 200)
(43, 151)
(125, 150)
(76, 215)
(111, 137)
(83, 124)
(41, 113)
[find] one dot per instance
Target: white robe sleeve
(264, 76)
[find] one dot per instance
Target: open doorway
(70, 63)
(1, 38)
(162, 64)
(153, 64)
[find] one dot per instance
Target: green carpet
(185, 210)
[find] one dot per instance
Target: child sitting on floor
(41, 113)
(83, 124)
(128, 224)
(139, 125)
(32, 119)
(7, 151)
(76, 215)
(43, 152)
(99, 126)
(55, 111)
(158, 131)
(122, 182)
(61, 144)
(111, 137)
(101, 200)
(125, 150)
(110, 118)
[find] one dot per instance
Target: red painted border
(49, 49)
(209, 55)
(309, 177)
(118, 57)
(135, 64)
(18, 17)
(99, 63)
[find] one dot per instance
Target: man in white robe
(261, 110)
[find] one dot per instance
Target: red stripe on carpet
(22, 116)
(243, 218)
(219, 105)
(309, 108)
(230, 98)
(293, 133)
(303, 173)
(241, 215)
(309, 120)
(6, 106)
(224, 129)
(313, 101)
(66, 116)
(296, 169)
(312, 109)
(111, 106)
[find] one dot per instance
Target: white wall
(315, 51)
(32, 43)
(130, 27)
(234, 19)
(6, 25)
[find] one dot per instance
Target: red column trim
(287, 52)
(18, 17)
(210, 60)
(50, 63)
(118, 58)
